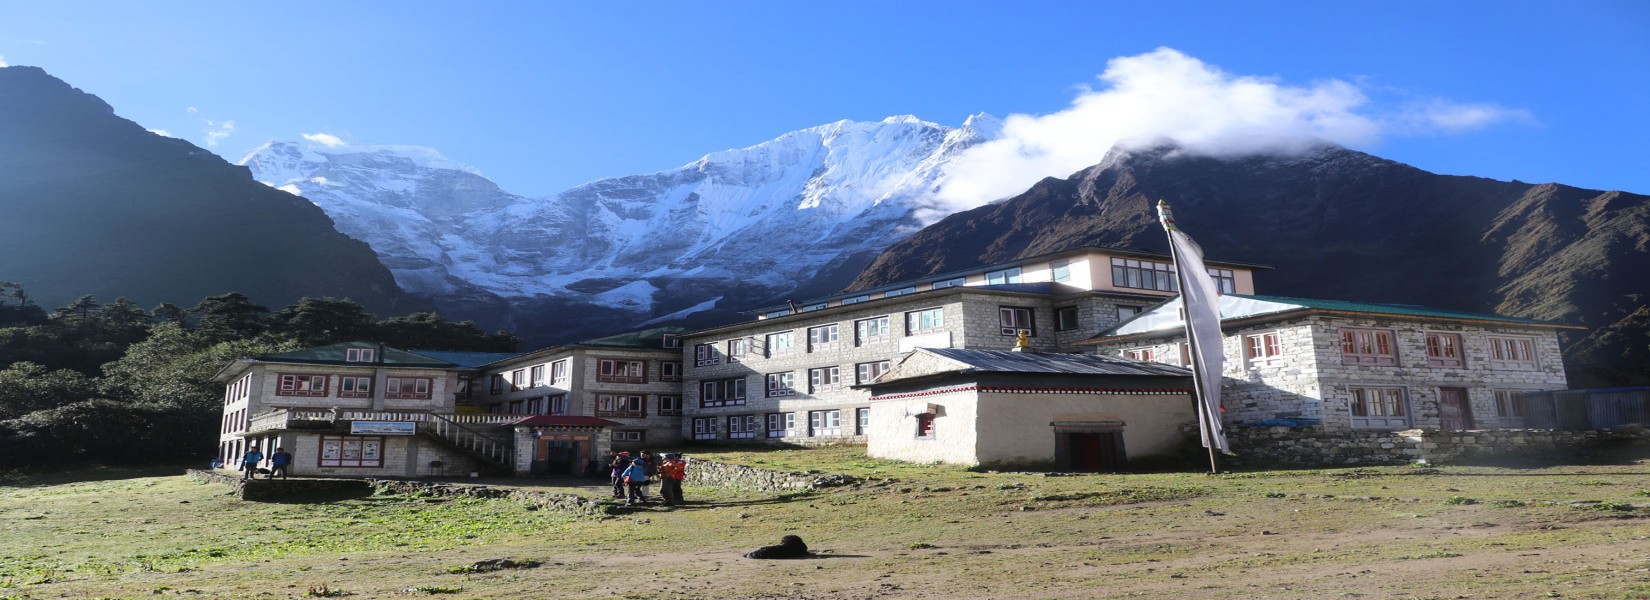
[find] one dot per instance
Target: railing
(282, 418)
(468, 440)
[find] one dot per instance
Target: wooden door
(1100, 451)
(1454, 412)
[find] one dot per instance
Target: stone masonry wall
(739, 477)
(1310, 446)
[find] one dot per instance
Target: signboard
(383, 428)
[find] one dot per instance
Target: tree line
(93, 383)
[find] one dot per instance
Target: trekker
(249, 462)
(278, 463)
(651, 463)
(616, 472)
(671, 474)
(635, 478)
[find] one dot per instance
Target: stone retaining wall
(739, 477)
(1257, 446)
(268, 489)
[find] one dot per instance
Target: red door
(1095, 451)
(1454, 413)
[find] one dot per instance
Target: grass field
(917, 531)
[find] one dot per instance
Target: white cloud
(324, 139)
(216, 131)
(3, 62)
(161, 132)
(1167, 94)
(193, 110)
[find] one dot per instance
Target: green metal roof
(1394, 309)
(335, 354)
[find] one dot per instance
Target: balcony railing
(282, 418)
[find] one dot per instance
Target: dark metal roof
(335, 354)
(465, 359)
(1002, 361)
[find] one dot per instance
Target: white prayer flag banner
(1200, 298)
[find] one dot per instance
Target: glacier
(798, 214)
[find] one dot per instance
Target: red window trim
(611, 364)
(281, 389)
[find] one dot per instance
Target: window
(1013, 320)
(359, 354)
(1512, 352)
(558, 404)
(1143, 274)
(781, 424)
(1444, 350)
(924, 321)
(617, 405)
(722, 392)
(940, 285)
(1145, 354)
(823, 337)
(618, 370)
(628, 435)
(862, 420)
(1065, 318)
(1003, 276)
(670, 371)
(670, 340)
(1059, 271)
(352, 386)
(351, 451)
(1262, 346)
(856, 299)
(704, 355)
(1125, 312)
(518, 380)
(737, 349)
(704, 428)
(1368, 347)
(1379, 407)
(866, 372)
(1225, 283)
(463, 387)
(407, 388)
(824, 379)
(535, 406)
(558, 373)
(780, 343)
(1509, 405)
(497, 384)
(1185, 355)
(301, 385)
(925, 426)
(870, 330)
(670, 405)
(812, 307)
(824, 422)
(777, 313)
(535, 376)
(741, 427)
(781, 384)
(900, 292)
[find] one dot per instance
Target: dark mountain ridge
(1341, 224)
(91, 203)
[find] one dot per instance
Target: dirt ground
(907, 531)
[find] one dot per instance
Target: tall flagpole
(1166, 215)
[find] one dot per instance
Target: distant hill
(91, 203)
(1342, 224)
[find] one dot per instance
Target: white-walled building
(1360, 366)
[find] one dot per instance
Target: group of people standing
(278, 461)
(632, 476)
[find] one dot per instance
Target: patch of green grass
(1433, 554)
(1460, 500)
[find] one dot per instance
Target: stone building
(632, 381)
(1358, 366)
(789, 376)
(1011, 409)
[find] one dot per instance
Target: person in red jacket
(671, 473)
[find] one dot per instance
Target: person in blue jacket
(249, 462)
(278, 462)
(635, 480)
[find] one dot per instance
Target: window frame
(914, 319)
(395, 388)
(670, 370)
(862, 420)
(535, 376)
(1262, 347)
(625, 436)
(911, 289)
(705, 355)
(704, 428)
(819, 423)
(779, 385)
(1059, 271)
(953, 282)
(786, 422)
(562, 368)
(555, 404)
(634, 406)
(1061, 321)
(738, 348)
(879, 366)
(1007, 276)
(817, 376)
(1143, 353)
(361, 460)
(1012, 313)
(771, 345)
(360, 355)
(350, 386)
(308, 390)
(1359, 405)
(925, 429)
(621, 370)
(872, 330)
(1500, 344)
(670, 405)
(1351, 347)
(824, 337)
(1509, 406)
(1439, 346)
(1162, 275)
(742, 427)
(730, 392)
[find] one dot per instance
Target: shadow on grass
(654, 506)
(362, 494)
(22, 479)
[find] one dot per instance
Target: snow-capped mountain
(798, 214)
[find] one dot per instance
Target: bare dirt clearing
(908, 531)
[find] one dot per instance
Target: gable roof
(926, 363)
(1165, 317)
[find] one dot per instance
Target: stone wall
(1310, 446)
(265, 489)
(739, 477)
(268, 489)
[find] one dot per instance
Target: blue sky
(543, 96)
